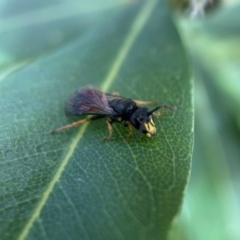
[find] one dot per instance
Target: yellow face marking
(150, 128)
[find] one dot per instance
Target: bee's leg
(130, 128)
(158, 114)
(116, 93)
(75, 124)
(144, 103)
(110, 129)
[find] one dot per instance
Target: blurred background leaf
(212, 205)
(71, 185)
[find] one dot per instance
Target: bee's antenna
(163, 106)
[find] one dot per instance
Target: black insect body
(91, 101)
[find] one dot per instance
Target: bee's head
(142, 120)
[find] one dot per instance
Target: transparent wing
(88, 101)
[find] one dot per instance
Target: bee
(91, 101)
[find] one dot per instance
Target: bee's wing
(88, 101)
(111, 97)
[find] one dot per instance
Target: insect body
(91, 101)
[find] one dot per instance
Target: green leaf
(71, 185)
(213, 193)
(216, 48)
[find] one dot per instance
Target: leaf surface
(71, 185)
